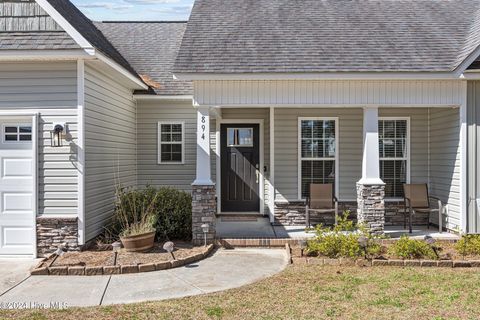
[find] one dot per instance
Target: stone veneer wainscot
(371, 207)
(204, 206)
(55, 232)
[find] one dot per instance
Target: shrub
(134, 212)
(174, 214)
(469, 245)
(166, 210)
(342, 240)
(407, 248)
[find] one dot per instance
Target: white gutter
(147, 97)
(321, 76)
(32, 55)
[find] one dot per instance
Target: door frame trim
(33, 117)
(218, 162)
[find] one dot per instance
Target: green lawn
(313, 292)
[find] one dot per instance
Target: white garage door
(17, 200)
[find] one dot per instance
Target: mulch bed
(97, 261)
(106, 258)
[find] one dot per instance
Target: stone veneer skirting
(53, 233)
(371, 207)
(293, 214)
(204, 207)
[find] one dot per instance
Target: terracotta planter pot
(140, 242)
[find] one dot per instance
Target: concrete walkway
(225, 269)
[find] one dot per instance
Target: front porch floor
(262, 228)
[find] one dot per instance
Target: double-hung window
(171, 139)
(317, 152)
(394, 150)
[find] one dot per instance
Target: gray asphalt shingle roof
(256, 36)
(151, 48)
(88, 30)
(36, 40)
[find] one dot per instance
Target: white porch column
(370, 188)
(371, 154)
(204, 205)
(271, 189)
(204, 172)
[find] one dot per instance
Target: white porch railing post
(370, 188)
(203, 191)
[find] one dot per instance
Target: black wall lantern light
(56, 134)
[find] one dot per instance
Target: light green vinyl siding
(150, 172)
(110, 146)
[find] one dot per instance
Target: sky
(135, 10)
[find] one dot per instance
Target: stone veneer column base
(204, 207)
(371, 207)
(55, 232)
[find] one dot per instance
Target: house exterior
(244, 106)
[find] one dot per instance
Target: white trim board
(218, 162)
(81, 150)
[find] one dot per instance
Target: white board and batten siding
(110, 146)
(328, 92)
(49, 89)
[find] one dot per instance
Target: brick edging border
(388, 262)
(125, 269)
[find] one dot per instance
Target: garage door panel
(17, 199)
(16, 240)
(17, 168)
(17, 203)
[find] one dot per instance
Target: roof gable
(315, 36)
(89, 32)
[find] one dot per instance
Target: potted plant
(135, 218)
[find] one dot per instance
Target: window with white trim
(317, 152)
(171, 138)
(393, 145)
(17, 133)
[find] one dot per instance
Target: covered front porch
(261, 228)
(259, 160)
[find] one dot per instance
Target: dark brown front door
(240, 168)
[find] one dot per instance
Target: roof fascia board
(321, 76)
(138, 84)
(83, 43)
(72, 32)
(21, 55)
(146, 97)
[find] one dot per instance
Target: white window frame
(160, 143)
(17, 125)
(408, 158)
(300, 158)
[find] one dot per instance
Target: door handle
(257, 174)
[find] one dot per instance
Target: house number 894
(203, 127)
